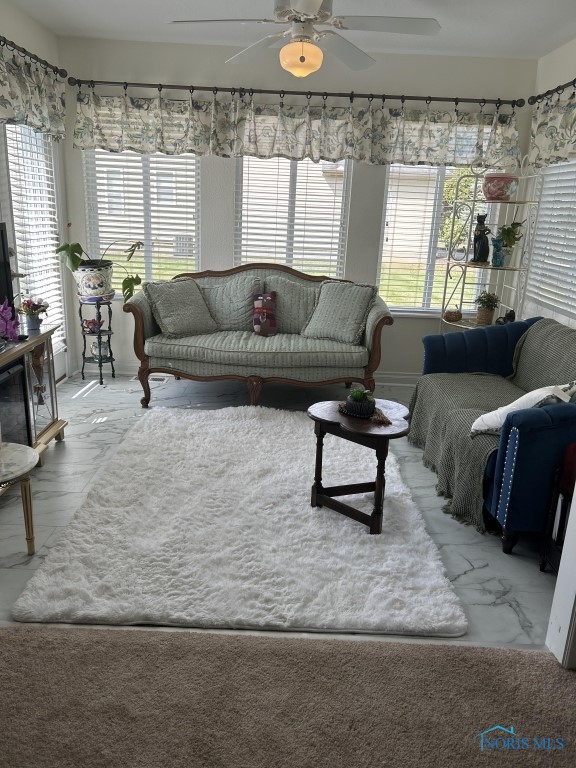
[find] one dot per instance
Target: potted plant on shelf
(487, 304)
(360, 403)
(506, 237)
(32, 309)
(94, 276)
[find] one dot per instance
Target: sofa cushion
(493, 421)
(229, 300)
(179, 308)
(295, 302)
(236, 348)
(341, 311)
(545, 355)
(264, 314)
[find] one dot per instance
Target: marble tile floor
(506, 598)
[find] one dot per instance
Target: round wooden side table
(328, 419)
(16, 461)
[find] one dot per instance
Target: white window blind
(292, 212)
(152, 198)
(551, 281)
(415, 235)
(34, 213)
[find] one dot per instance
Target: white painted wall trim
(396, 379)
(561, 636)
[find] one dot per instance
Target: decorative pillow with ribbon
(264, 314)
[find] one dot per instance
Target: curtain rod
(547, 94)
(250, 91)
(11, 45)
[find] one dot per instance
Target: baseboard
(391, 379)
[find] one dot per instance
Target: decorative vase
(94, 281)
(499, 187)
(507, 252)
(497, 252)
(484, 316)
(361, 409)
(33, 322)
(102, 351)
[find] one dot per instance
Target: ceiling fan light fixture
(301, 58)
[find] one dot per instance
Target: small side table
(328, 419)
(101, 347)
(16, 461)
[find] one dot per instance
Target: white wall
(556, 68)
(204, 65)
(22, 30)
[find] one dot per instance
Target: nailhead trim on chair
(513, 436)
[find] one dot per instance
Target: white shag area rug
(203, 519)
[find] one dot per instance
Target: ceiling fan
(303, 54)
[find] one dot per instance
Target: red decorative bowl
(499, 187)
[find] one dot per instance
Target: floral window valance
(233, 127)
(31, 94)
(553, 137)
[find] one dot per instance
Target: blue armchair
(508, 477)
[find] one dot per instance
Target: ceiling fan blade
(306, 7)
(350, 54)
(247, 53)
(396, 24)
(226, 21)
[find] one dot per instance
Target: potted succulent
(487, 304)
(360, 403)
(94, 276)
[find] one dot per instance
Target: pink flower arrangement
(8, 323)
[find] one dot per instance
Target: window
(33, 199)
(416, 233)
(153, 198)
(292, 212)
(551, 282)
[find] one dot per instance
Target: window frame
(291, 220)
(148, 206)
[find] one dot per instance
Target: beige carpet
(99, 697)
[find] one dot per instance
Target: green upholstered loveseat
(231, 350)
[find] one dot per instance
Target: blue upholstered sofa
(487, 477)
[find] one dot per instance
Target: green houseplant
(360, 403)
(510, 233)
(487, 303)
(94, 276)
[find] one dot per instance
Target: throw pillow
(229, 300)
(492, 422)
(341, 311)
(179, 308)
(295, 302)
(264, 316)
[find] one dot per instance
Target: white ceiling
(495, 28)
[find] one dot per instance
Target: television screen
(6, 290)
